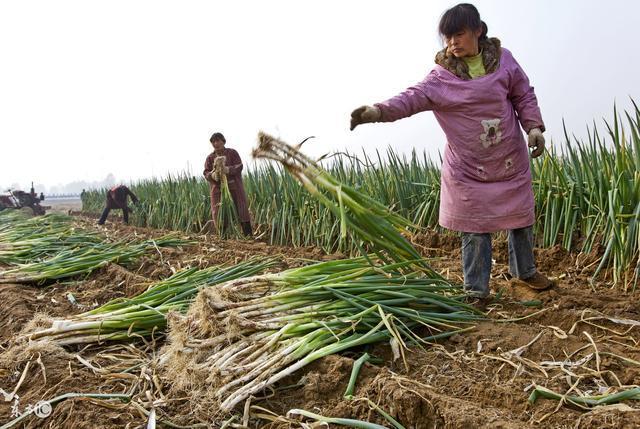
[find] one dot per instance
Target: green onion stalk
(585, 401)
(85, 259)
(145, 314)
(358, 424)
(357, 365)
(255, 331)
(363, 216)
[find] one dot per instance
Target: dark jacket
(117, 197)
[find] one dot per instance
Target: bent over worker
(117, 199)
(480, 96)
(231, 166)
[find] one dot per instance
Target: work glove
(364, 114)
(215, 176)
(536, 142)
(226, 170)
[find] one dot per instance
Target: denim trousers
(476, 258)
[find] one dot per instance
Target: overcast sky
(135, 88)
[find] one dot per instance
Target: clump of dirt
(41, 371)
(327, 378)
(44, 369)
(432, 243)
(18, 304)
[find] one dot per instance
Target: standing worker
(479, 93)
(227, 161)
(117, 199)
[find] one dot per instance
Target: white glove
(364, 114)
(536, 142)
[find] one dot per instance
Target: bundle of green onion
(84, 259)
(24, 240)
(361, 215)
(124, 318)
(227, 220)
(247, 334)
(16, 224)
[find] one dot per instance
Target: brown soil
(479, 379)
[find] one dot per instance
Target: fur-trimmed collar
(491, 52)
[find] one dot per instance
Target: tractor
(28, 202)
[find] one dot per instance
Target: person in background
(117, 199)
(231, 166)
(480, 96)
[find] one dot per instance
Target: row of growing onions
(589, 193)
(586, 194)
(177, 202)
(281, 207)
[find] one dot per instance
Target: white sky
(135, 88)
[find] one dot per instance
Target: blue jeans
(476, 258)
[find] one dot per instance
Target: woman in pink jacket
(480, 96)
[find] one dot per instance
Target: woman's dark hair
(217, 136)
(461, 17)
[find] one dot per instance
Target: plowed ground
(478, 379)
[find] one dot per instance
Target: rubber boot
(246, 229)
